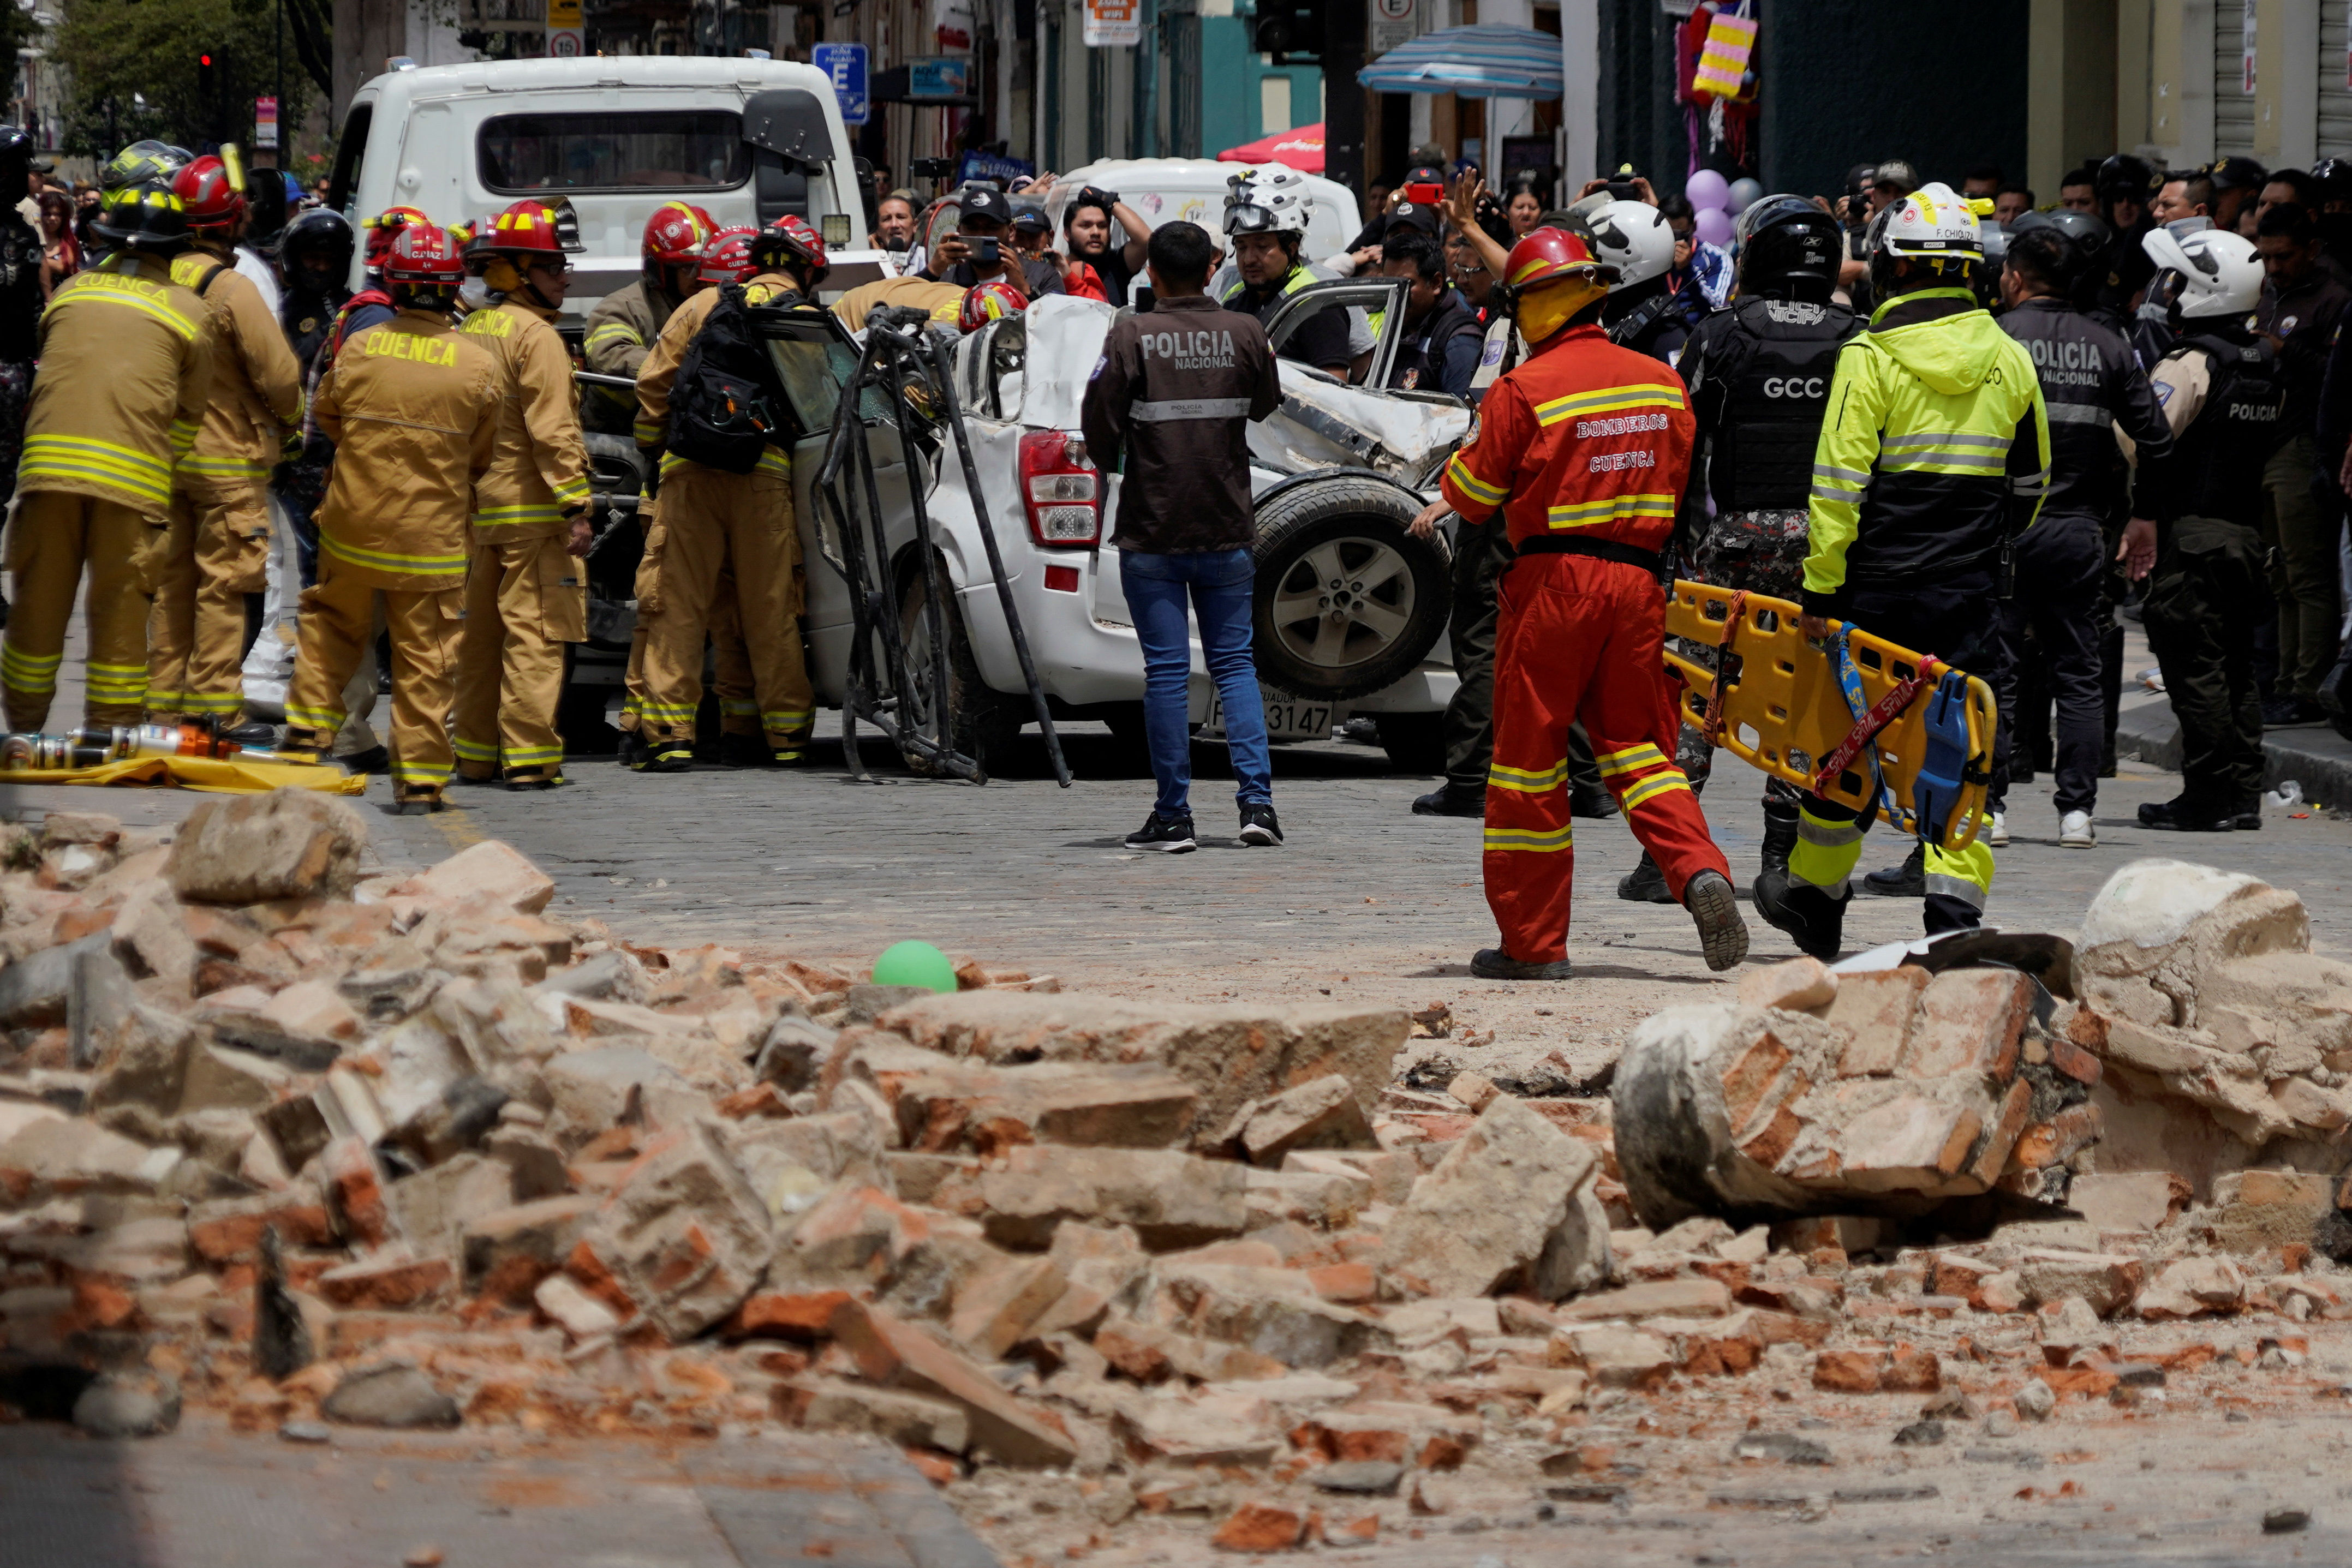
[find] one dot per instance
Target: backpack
(722, 406)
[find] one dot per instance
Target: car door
(1381, 297)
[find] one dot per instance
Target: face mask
(476, 293)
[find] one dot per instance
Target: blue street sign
(845, 64)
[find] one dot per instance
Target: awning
(1482, 61)
(1301, 148)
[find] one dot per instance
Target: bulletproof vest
(1421, 357)
(2216, 465)
(1776, 372)
(308, 317)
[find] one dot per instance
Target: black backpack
(723, 406)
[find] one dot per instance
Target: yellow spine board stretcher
(221, 776)
(1784, 713)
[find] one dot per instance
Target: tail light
(1060, 489)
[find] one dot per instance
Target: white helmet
(1933, 222)
(2217, 272)
(1273, 199)
(1636, 241)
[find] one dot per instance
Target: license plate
(1286, 717)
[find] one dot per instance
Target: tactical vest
(1421, 356)
(2216, 465)
(1775, 371)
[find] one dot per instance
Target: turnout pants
(1481, 556)
(339, 619)
(2205, 599)
(1581, 638)
(708, 520)
(525, 599)
(739, 710)
(217, 552)
(2061, 564)
(1958, 621)
(54, 535)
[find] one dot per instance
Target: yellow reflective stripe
(1532, 839)
(118, 294)
(200, 701)
(531, 754)
(1527, 780)
(314, 717)
(386, 561)
(775, 461)
(1617, 508)
(223, 467)
(1470, 484)
(473, 750)
(614, 333)
(647, 432)
(515, 515)
(142, 471)
(1608, 399)
(674, 711)
(28, 672)
(1632, 758)
(421, 773)
(1649, 789)
(786, 720)
(575, 489)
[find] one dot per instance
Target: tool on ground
(100, 744)
(1844, 719)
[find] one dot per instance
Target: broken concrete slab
(246, 848)
(1171, 1199)
(1452, 1238)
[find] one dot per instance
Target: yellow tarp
(221, 776)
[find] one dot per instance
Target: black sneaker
(1722, 934)
(2291, 712)
(1645, 884)
(2183, 815)
(1259, 826)
(1908, 879)
(1451, 800)
(1493, 964)
(1171, 835)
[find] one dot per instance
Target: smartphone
(1624, 191)
(987, 250)
(1428, 195)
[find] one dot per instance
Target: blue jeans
(1221, 583)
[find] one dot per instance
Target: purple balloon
(1706, 189)
(1713, 224)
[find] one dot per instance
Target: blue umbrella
(1476, 62)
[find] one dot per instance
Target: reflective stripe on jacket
(257, 388)
(126, 367)
(540, 469)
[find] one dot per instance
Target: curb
(2313, 756)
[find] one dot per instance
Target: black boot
(1451, 800)
(2183, 815)
(1592, 802)
(1814, 920)
(1722, 934)
(1779, 835)
(745, 751)
(1645, 884)
(1908, 879)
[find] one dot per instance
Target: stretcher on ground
(1859, 720)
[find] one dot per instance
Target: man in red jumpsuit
(1585, 447)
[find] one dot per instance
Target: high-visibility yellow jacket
(257, 390)
(659, 372)
(125, 370)
(540, 471)
(1936, 449)
(412, 406)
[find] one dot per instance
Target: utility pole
(1343, 97)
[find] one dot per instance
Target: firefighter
(1759, 379)
(20, 312)
(1932, 458)
(726, 258)
(621, 331)
(525, 587)
(1584, 449)
(208, 597)
(710, 518)
(125, 372)
(412, 406)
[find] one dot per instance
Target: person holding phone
(981, 250)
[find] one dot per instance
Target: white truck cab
(747, 140)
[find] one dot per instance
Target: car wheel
(983, 723)
(1415, 742)
(1347, 602)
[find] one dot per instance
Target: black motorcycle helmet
(1788, 250)
(2124, 178)
(2063, 247)
(320, 232)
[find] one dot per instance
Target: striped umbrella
(1481, 61)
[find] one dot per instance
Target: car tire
(1415, 742)
(983, 723)
(1391, 607)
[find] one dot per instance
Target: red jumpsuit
(1585, 442)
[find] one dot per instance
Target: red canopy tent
(1301, 147)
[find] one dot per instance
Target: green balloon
(914, 964)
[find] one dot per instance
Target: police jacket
(540, 470)
(658, 372)
(2091, 383)
(2303, 319)
(20, 289)
(126, 367)
(620, 332)
(1439, 351)
(1759, 376)
(257, 391)
(2224, 396)
(308, 316)
(1168, 408)
(1584, 440)
(1934, 452)
(412, 406)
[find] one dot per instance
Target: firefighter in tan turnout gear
(219, 545)
(526, 589)
(711, 517)
(412, 406)
(125, 367)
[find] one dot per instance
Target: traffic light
(208, 78)
(1289, 29)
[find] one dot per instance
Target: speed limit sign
(564, 44)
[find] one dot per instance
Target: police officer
(412, 409)
(2126, 186)
(1642, 312)
(1267, 221)
(1168, 405)
(317, 256)
(1584, 449)
(2200, 513)
(621, 331)
(208, 593)
(711, 518)
(1759, 376)
(1932, 457)
(20, 312)
(126, 369)
(525, 595)
(1439, 348)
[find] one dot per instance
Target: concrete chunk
(1170, 1198)
(1454, 1237)
(288, 844)
(899, 1356)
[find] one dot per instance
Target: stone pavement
(205, 1498)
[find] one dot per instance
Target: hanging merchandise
(1715, 81)
(1723, 58)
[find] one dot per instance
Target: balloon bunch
(1715, 201)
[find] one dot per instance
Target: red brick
(358, 1192)
(1910, 1369)
(771, 1314)
(1750, 1076)
(2072, 1061)
(2090, 1381)
(759, 1100)
(1350, 1283)
(1260, 1527)
(1969, 1021)
(388, 1282)
(1849, 1371)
